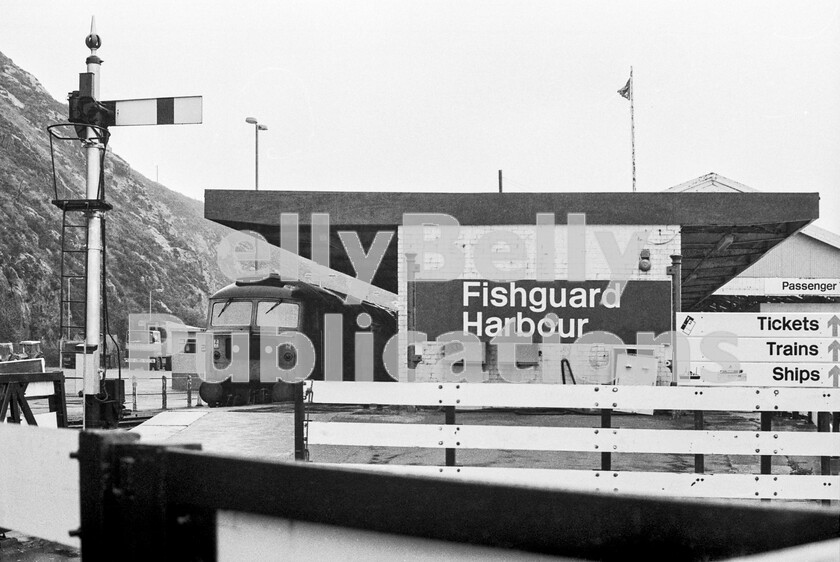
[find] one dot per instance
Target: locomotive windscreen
(277, 314)
(231, 313)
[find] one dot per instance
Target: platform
(264, 432)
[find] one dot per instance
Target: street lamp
(257, 128)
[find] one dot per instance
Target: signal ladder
(74, 247)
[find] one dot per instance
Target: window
(231, 313)
(278, 314)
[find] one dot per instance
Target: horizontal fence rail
(573, 439)
(710, 486)
(475, 395)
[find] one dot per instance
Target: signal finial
(93, 41)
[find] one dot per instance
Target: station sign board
(760, 349)
(781, 287)
(819, 287)
(542, 310)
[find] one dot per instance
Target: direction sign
(763, 374)
(760, 349)
(765, 350)
(761, 324)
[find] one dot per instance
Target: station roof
(782, 256)
(722, 233)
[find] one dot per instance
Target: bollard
(189, 391)
(163, 392)
(134, 393)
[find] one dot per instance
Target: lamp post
(257, 128)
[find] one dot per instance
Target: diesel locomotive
(335, 328)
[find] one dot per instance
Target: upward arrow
(834, 348)
(834, 322)
(834, 372)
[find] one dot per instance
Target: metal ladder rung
(71, 244)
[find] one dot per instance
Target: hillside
(157, 240)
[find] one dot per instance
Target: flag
(627, 91)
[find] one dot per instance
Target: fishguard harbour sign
(760, 349)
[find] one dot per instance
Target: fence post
(189, 391)
(606, 422)
(675, 271)
(100, 530)
(450, 420)
(163, 392)
(766, 461)
(300, 444)
(699, 459)
(824, 425)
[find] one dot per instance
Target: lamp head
(724, 243)
(251, 120)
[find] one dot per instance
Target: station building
(579, 276)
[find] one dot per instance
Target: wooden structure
(452, 436)
(14, 398)
(153, 502)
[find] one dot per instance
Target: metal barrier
(606, 440)
(165, 395)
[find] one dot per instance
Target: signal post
(92, 119)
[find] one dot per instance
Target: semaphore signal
(91, 119)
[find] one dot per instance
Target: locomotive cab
(251, 309)
(272, 306)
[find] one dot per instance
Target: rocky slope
(157, 240)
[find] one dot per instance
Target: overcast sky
(438, 96)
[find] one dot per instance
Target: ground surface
(19, 548)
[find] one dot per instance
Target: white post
(256, 157)
(632, 129)
(93, 152)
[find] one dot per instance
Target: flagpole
(632, 130)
